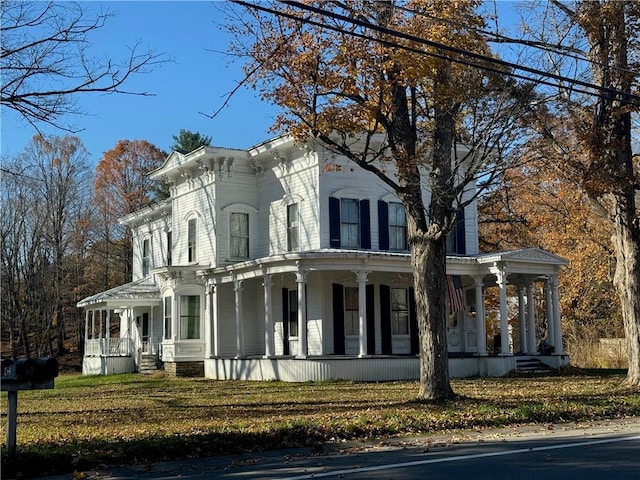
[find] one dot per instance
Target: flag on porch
(455, 293)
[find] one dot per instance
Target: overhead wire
(629, 98)
(494, 37)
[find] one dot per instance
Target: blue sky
(196, 80)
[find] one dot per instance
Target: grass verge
(89, 422)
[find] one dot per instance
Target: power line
(498, 38)
(629, 98)
(459, 51)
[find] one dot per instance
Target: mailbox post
(24, 374)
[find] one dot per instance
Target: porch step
(533, 365)
(148, 364)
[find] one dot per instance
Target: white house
(289, 262)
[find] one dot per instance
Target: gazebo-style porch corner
(122, 329)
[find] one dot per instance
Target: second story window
(169, 248)
(239, 235)
(349, 223)
(191, 240)
(397, 227)
(292, 227)
(146, 257)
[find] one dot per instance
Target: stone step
(532, 365)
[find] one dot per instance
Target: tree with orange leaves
(122, 186)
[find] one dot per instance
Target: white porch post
(107, 330)
(481, 326)
(531, 319)
(209, 287)
(504, 319)
(362, 311)
(302, 313)
(555, 297)
(214, 321)
(237, 288)
(86, 328)
(269, 345)
(93, 324)
(551, 334)
(522, 320)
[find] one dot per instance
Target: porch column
(549, 310)
(215, 350)
(209, 287)
(302, 313)
(269, 345)
(481, 326)
(237, 288)
(107, 326)
(362, 311)
(531, 319)
(504, 319)
(86, 328)
(93, 324)
(522, 320)
(555, 299)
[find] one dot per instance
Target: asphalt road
(599, 450)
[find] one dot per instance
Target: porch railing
(151, 346)
(111, 347)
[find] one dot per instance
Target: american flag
(455, 293)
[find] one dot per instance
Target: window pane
(167, 317)
(191, 241)
(351, 318)
(399, 311)
(239, 226)
(293, 313)
(349, 223)
(189, 317)
(397, 227)
(145, 257)
(292, 227)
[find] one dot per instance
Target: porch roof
(527, 261)
(139, 292)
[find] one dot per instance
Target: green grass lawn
(89, 421)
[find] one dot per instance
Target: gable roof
(140, 292)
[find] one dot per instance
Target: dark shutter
(338, 319)
(383, 225)
(285, 321)
(461, 244)
(413, 323)
(334, 222)
(371, 322)
(385, 319)
(365, 225)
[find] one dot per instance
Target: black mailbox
(8, 369)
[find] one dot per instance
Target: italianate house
(289, 262)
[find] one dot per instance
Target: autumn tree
(45, 60)
(187, 141)
(361, 78)
(532, 206)
(588, 135)
(45, 190)
(122, 186)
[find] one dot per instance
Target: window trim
(293, 226)
(252, 227)
(146, 256)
